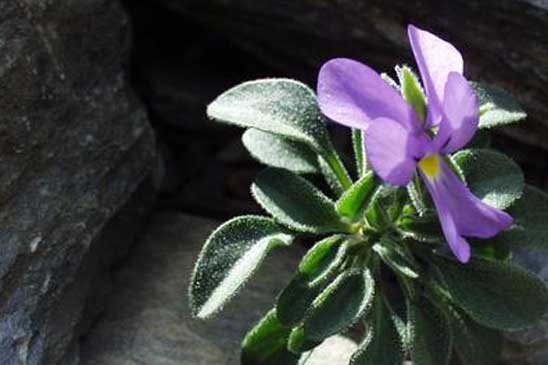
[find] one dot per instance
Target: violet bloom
(397, 141)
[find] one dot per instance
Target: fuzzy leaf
(294, 202)
(429, 334)
(395, 257)
(317, 266)
(323, 258)
(496, 294)
(475, 344)
(531, 217)
(277, 151)
(425, 228)
(359, 152)
(299, 343)
(382, 344)
(280, 106)
(266, 344)
(230, 256)
(330, 177)
(411, 90)
(497, 107)
(490, 175)
(419, 196)
(354, 201)
(340, 305)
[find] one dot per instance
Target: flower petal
(461, 213)
(461, 115)
(393, 150)
(435, 58)
(353, 94)
(458, 245)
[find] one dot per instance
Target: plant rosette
(416, 243)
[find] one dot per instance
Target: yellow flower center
(430, 165)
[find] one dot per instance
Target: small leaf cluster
(380, 258)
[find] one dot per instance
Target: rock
(74, 145)
(148, 320)
(491, 34)
(334, 350)
(530, 346)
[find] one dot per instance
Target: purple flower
(398, 142)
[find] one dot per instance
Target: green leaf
(490, 249)
(330, 177)
(280, 106)
(475, 344)
(497, 107)
(323, 258)
(429, 334)
(393, 255)
(340, 305)
(355, 200)
(359, 152)
(496, 294)
(382, 345)
(299, 343)
(531, 217)
(490, 175)
(425, 228)
(276, 151)
(386, 206)
(411, 90)
(419, 196)
(295, 202)
(230, 256)
(316, 268)
(283, 107)
(266, 344)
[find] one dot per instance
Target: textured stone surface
(148, 321)
(74, 145)
(502, 41)
(530, 346)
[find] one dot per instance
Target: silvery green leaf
(280, 106)
(396, 258)
(531, 218)
(316, 268)
(330, 177)
(382, 344)
(299, 343)
(473, 343)
(359, 151)
(340, 305)
(429, 334)
(230, 256)
(496, 294)
(497, 107)
(419, 196)
(296, 203)
(276, 151)
(425, 228)
(491, 176)
(411, 90)
(354, 201)
(266, 343)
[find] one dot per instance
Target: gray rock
(335, 350)
(148, 320)
(530, 346)
(74, 145)
(294, 39)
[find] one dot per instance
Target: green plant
(381, 255)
